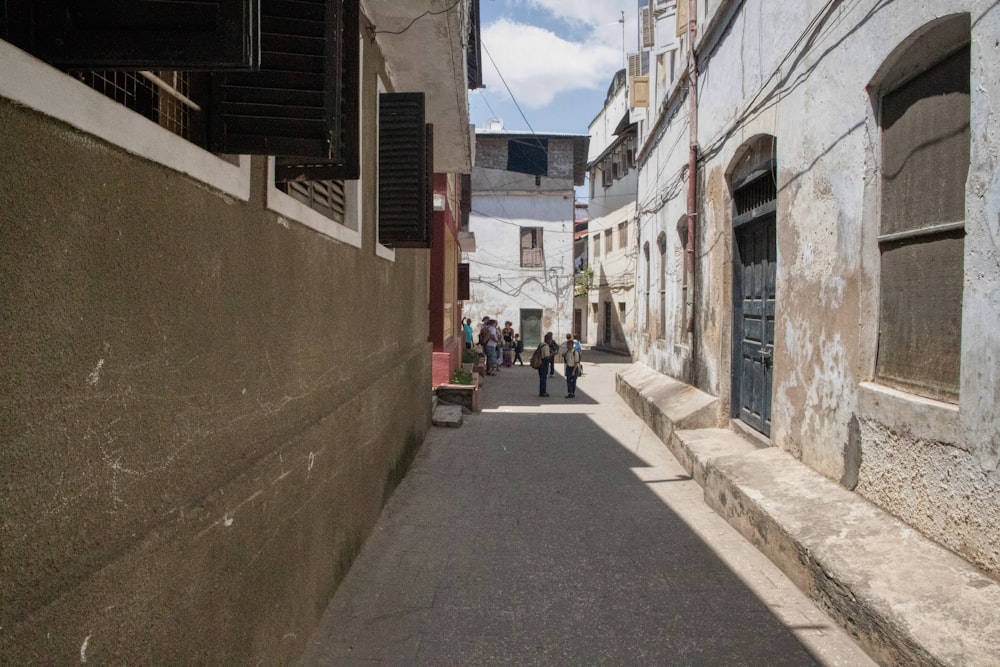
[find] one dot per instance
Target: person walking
(548, 348)
(572, 359)
(518, 349)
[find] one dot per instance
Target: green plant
(461, 376)
(584, 281)
(469, 356)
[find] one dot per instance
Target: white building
(522, 217)
(610, 274)
(842, 302)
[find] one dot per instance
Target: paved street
(553, 531)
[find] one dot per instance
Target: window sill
(924, 418)
(38, 86)
(290, 207)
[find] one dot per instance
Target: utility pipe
(692, 201)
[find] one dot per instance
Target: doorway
(754, 302)
(531, 327)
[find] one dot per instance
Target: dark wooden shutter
(304, 100)
(464, 291)
(147, 34)
(466, 200)
(405, 172)
(473, 50)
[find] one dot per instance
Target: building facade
(523, 215)
(612, 251)
(841, 297)
(208, 314)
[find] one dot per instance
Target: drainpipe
(692, 201)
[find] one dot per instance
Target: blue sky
(557, 57)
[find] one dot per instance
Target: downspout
(692, 198)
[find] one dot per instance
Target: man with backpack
(542, 360)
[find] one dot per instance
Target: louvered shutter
(682, 17)
(146, 34)
(464, 289)
(405, 185)
(648, 25)
(466, 200)
(634, 64)
(304, 100)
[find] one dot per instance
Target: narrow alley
(556, 531)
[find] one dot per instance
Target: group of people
(570, 352)
(502, 347)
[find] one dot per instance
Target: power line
(410, 24)
(511, 93)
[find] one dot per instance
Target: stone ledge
(906, 599)
(666, 404)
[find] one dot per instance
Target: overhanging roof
(426, 52)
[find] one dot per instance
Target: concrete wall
(799, 73)
(193, 402)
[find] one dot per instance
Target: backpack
(536, 358)
(484, 336)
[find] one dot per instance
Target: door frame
(754, 204)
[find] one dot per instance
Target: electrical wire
(410, 24)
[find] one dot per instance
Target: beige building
(214, 249)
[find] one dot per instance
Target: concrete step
(447, 415)
(906, 599)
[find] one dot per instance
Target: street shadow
(532, 539)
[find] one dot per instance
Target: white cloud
(538, 65)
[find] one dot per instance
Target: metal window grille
(163, 97)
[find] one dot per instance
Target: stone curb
(905, 599)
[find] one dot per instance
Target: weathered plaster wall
(799, 72)
(193, 408)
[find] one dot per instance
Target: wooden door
(753, 321)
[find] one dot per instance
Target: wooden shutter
(682, 17)
(147, 34)
(464, 291)
(639, 93)
(304, 100)
(473, 51)
(466, 200)
(648, 23)
(405, 171)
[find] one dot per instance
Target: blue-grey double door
(754, 273)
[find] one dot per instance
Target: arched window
(922, 97)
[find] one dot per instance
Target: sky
(556, 56)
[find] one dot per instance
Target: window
(154, 58)
(608, 241)
(661, 244)
(623, 235)
(597, 246)
(528, 156)
(531, 248)
(645, 252)
(924, 165)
